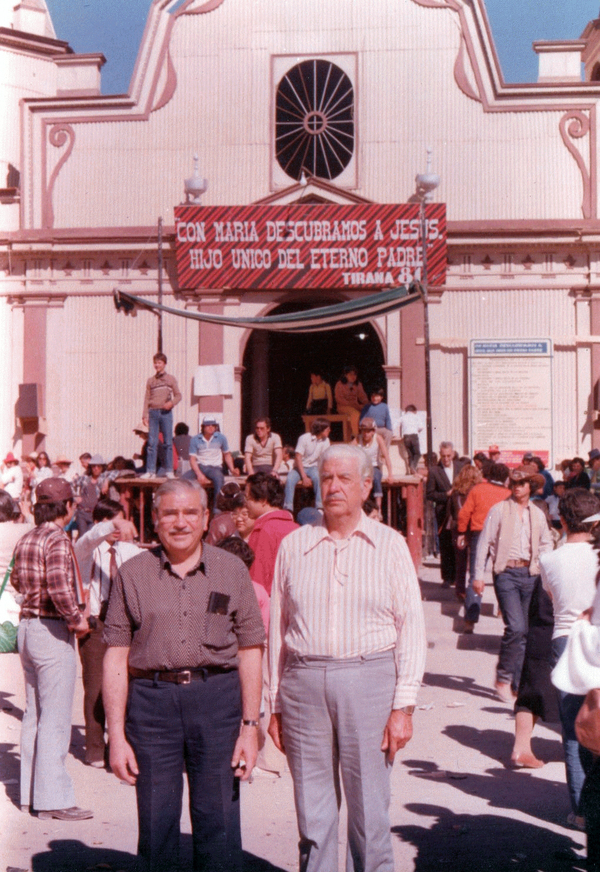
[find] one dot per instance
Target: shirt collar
(165, 563)
(363, 530)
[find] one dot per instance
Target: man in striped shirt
(346, 655)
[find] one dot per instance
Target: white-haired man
(347, 653)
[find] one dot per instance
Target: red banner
(308, 246)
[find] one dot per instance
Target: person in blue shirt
(380, 412)
(208, 451)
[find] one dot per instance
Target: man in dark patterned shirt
(182, 684)
(45, 575)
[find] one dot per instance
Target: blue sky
(115, 29)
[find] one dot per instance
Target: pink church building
(291, 106)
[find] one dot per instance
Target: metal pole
(429, 428)
(160, 277)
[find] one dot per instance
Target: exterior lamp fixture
(195, 186)
(426, 183)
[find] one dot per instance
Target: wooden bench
(344, 420)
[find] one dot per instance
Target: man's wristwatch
(248, 723)
(408, 710)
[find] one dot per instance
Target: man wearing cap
(514, 536)
(11, 477)
(494, 453)
(594, 465)
(181, 684)
(208, 451)
(46, 575)
(64, 468)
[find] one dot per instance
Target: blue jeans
(215, 474)
(172, 727)
(578, 760)
(47, 651)
(377, 489)
(293, 478)
(514, 588)
(472, 599)
(160, 421)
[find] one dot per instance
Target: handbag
(8, 631)
(587, 722)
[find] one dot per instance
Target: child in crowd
(320, 399)
(380, 412)
(287, 462)
(410, 428)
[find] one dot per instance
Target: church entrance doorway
(278, 365)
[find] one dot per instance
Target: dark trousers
(91, 652)
(193, 726)
(590, 809)
(413, 450)
(472, 599)
(447, 557)
(514, 588)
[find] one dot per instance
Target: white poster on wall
(510, 397)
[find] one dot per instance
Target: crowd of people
(540, 538)
(260, 627)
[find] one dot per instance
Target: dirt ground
(455, 806)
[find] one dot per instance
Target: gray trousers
(333, 715)
(47, 651)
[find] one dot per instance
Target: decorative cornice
(30, 301)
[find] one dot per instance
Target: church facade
(288, 105)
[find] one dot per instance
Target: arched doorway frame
(262, 392)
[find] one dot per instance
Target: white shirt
(12, 481)
(310, 448)
(569, 576)
(93, 558)
(345, 598)
(410, 424)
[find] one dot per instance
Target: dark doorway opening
(277, 370)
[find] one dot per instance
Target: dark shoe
(468, 627)
(66, 814)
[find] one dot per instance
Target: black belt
(43, 617)
(180, 676)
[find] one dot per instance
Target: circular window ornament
(314, 120)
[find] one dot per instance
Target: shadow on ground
(486, 843)
(498, 744)
(71, 855)
(516, 790)
(458, 684)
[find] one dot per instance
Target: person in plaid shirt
(45, 573)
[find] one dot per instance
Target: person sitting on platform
(308, 450)
(350, 397)
(380, 413)
(181, 444)
(208, 451)
(263, 450)
(287, 463)
(375, 448)
(320, 399)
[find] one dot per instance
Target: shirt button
(185, 614)
(183, 641)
